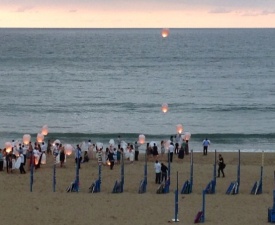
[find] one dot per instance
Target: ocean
(100, 83)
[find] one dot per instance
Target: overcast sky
(139, 13)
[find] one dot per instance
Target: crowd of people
(29, 155)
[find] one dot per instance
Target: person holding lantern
(21, 168)
(62, 155)
(1, 160)
(78, 156)
(110, 157)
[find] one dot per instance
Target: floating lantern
(179, 128)
(45, 130)
(165, 32)
(141, 139)
(26, 139)
(40, 138)
(8, 147)
(187, 136)
(164, 107)
(68, 149)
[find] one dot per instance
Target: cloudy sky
(137, 13)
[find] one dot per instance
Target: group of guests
(21, 155)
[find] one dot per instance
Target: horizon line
(137, 27)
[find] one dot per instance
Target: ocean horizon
(100, 83)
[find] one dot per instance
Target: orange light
(165, 32)
(164, 107)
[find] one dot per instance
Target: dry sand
(43, 206)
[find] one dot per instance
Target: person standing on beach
(162, 148)
(1, 160)
(221, 166)
(155, 151)
(164, 170)
(171, 149)
(136, 150)
(118, 140)
(78, 156)
(49, 147)
(62, 155)
(157, 167)
(205, 145)
(110, 157)
(21, 168)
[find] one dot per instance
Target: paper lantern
(56, 142)
(8, 147)
(179, 128)
(165, 32)
(43, 159)
(40, 138)
(141, 139)
(68, 149)
(187, 136)
(16, 153)
(167, 144)
(164, 107)
(36, 160)
(112, 142)
(108, 163)
(44, 130)
(99, 145)
(26, 139)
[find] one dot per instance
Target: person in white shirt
(157, 167)
(43, 147)
(171, 149)
(21, 168)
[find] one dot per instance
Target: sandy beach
(43, 206)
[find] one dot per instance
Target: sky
(137, 13)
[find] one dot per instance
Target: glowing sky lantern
(26, 139)
(165, 32)
(68, 149)
(164, 107)
(8, 147)
(179, 128)
(45, 130)
(141, 139)
(40, 138)
(187, 136)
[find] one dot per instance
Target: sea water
(100, 83)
